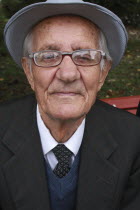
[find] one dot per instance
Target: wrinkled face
(66, 91)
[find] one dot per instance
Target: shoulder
(15, 104)
(112, 113)
(108, 125)
(16, 108)
(118, 123)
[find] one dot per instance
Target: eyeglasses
(50, 58)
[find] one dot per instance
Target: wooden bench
(128, 103)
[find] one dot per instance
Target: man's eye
(86, 57)
(48, 57)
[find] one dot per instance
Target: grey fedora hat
(21, 22)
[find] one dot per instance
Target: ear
(28, 72)
(104, 73)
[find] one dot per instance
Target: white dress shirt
(48, 142)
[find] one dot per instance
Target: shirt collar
(48, 142)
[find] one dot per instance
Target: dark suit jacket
(109, 174)
(138, 110)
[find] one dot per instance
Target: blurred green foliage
(127, 10)
(12, 6)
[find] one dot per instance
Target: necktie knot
(63, 155)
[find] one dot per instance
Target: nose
(67, 71)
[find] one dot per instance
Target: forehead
(70, 19)
(65, 28)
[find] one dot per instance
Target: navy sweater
(63, 190)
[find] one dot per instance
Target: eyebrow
(50, 47)
(80, 46)
(58, 47)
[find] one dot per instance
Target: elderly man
(63, 149)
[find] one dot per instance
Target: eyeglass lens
(86, 57)
(46, 59)
(54, 58)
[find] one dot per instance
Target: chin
(66, 112)
(64, 115)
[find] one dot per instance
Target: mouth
(65, 94)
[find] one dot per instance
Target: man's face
(66, 91)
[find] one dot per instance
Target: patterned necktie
(63, 155)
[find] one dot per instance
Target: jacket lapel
(97, 176)
(25, 170)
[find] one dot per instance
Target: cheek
(90, 79)
(42, 80)
(91, 82)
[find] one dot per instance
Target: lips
(66, 93)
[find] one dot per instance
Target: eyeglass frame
(32, 56)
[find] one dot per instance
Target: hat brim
(19, 25)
